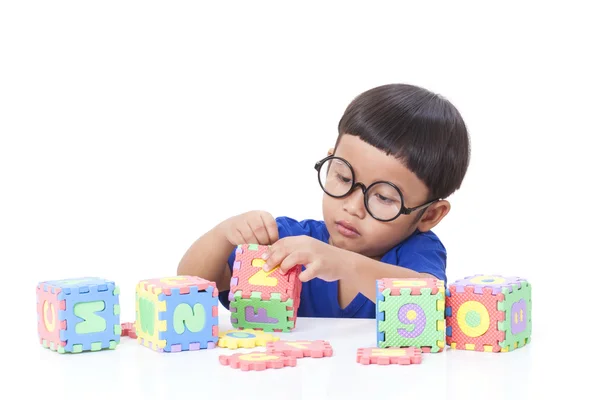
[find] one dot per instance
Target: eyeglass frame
(403, 210)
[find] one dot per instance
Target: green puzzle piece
(146, 315)
(256, 313)
(517, 321)
(412, 320)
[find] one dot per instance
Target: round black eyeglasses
(383, 200)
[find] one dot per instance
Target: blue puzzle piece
(182, 318)
(80, 285)
(77, 292)
(379, 315)
(380, 337)
(448, 311)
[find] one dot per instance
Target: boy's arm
(324, 261)
(362, 272)
(207, 258)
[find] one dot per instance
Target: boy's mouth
(346, 229)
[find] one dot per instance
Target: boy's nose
(354, 203)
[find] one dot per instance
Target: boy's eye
(344, 178)
(383, 198)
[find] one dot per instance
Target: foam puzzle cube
(489, 313)
(262, 300)
(177, 314)
(410, 313)
(76, 315)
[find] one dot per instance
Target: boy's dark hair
(422, 129)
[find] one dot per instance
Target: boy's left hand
(320, 259)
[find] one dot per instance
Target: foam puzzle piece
(80, 314)
(390, 355)
(271, 315)
(411, 313)
(489, 313)
(177, 314)
(245, 338)
(259, 299)
(301, 348)
(128, 329)
(257, 361)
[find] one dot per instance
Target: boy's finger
(238, 238)
(295, 258)
(275, 247)
(274, 257)
(307, 274)
(259, 231)
(246, 234)
(271, 228)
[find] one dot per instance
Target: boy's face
(350, 225)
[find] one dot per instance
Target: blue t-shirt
(422, 252)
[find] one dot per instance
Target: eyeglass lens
(383, 200)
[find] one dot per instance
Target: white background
(130, 128)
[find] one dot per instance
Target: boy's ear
(330, 152)
(434, 214)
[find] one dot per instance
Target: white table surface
(135, 371)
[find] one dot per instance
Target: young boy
(401, 151)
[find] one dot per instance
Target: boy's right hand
(253, 227)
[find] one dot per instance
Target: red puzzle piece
(301, 348)
(257, 361)
(248, 275)
(489, 337)
(389, 355)
(49, 324)
(128, 329)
